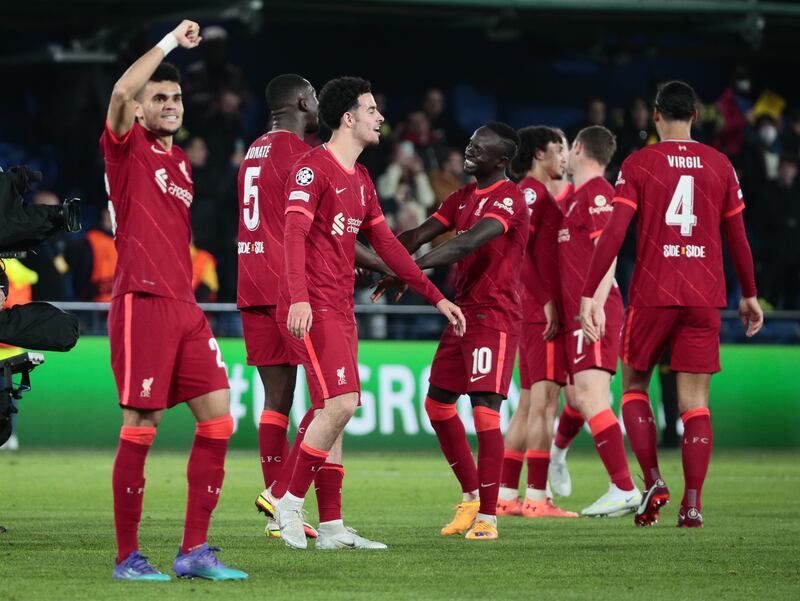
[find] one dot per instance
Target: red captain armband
(442, 220)
(625, 201)
(733, 212)
(499, 218)
(301, 210)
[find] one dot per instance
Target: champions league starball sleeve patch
(304, 176)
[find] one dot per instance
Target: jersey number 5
(681, 207)
(250, 199)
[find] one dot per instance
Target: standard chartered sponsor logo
(392, 401)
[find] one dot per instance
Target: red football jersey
(563, 199)
(488, 279)
(262, 202)
(149, 191)
(339, 202)
(540, 269)
(681, 190)
(588, 212)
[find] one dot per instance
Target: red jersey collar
(491, 188)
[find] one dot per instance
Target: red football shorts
(540, 359)
(480, 361)
(691, 332)
(162, 352)
(263, 339)
(603, 354)
(329, 354)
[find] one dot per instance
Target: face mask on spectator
(768, 133)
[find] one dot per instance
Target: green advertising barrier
(755, 402)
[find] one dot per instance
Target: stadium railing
(413, 322)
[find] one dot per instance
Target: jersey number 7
(679, 211)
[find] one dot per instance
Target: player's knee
(490, 401)
(219, 428)
(439, 412)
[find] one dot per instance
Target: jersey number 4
(250, 198)
(681, 207)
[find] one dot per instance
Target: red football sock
(282, 482)
(328, 486)
(490, 456)
(538, 464)
(512, 467)
(272, 444)
(309, 461)
(698, 439)
(127, 482)
(205, 472)
(453, 442)
(569, 424)
(608, 441)
(641, 430)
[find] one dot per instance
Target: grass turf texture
(60, 542)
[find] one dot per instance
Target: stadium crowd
(415, 167)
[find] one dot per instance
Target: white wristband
(168, 43)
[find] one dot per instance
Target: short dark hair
(598, 143)
(508, 137)
(531, 139)
(283, 90)
(676, 101)
(166, 72)
(339, 96)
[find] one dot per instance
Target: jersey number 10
(681, 207)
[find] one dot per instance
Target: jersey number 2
(681, 207)
(250, 200)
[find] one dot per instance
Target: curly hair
(339, 96)
(532, 138)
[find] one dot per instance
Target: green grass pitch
(60, 542)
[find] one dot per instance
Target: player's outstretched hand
(453, 315)
(592, 318)
(187, 34)
(553, 324)
(386, 283)
(751, 314)
(299, 320)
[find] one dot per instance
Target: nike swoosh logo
(461, 207)
(474, 379)
(487, 485)
(578, 359)
(157, 151)
(600, 444)
(340, 190)
(454, 463)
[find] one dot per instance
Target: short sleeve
(446, 213)
(596, 211)
(510, 210)
(304, 187)
(626, 188)
(734, 199)
(114, 147)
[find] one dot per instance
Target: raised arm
(122, 107)
(455, 249)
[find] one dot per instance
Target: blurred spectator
(636, 132)
(595, 115)
(48, 260)
(760, 153)
(404, 186)
(94, 261)
(790, 137)
(205, 205)
(776, 222)
(20, 283)
(444, 126)
(427, 143)
(376, 157)
(449, 176)
(205, 282)
(734, 105)
(224, 132)
(205, 81)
